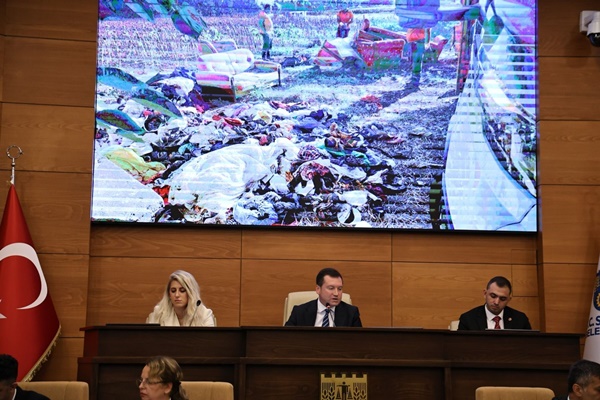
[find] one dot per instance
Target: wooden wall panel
(569, 152)
(568, 165)
(524, 280)
(56, 19)
(62, 363)
(53, 72)
(457, 247)
(569, 289)
(571, 221)
(430, 295)
(125, 290)
(558, 30)
(56, 207)
(67, 277)
(316, 245)
(56, 139)
(2, 41)
(266, 283)
(165, 242)
(2, 19)
(562, 97)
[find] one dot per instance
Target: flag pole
(9, 154)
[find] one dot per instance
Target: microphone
(194, 313)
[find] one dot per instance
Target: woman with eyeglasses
(181, 304)
(161, 380)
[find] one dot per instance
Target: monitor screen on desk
(373, 114)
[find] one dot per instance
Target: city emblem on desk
(596, 302)
(343, 387)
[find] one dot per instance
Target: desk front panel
(265, 363)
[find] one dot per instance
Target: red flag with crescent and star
(29, 326)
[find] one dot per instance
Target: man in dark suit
(328, 309)
(583, 381)
(494, 314)
(9, 369)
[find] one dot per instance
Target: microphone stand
(194, 313)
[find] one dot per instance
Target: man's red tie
(496, 319)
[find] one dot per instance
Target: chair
(295, 298)
(207, 47)
(198, 390)
(513, 393)
(229, 71)
(453, 325)
(59, 390)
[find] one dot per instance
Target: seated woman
(181, 304)
(161, 380)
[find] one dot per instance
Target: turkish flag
(29, 325)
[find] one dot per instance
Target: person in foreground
(161, 380)
(181, 304)
(494, 314)
(328, 309)
(9, 389)
(583, 381)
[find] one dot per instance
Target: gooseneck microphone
(194, 313)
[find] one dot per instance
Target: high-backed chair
(59, 390)
(295, 298)
(204, 390)
(513, 393)
(453, 325)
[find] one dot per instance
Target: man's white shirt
(321, 314)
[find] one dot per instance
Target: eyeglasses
(146, 382)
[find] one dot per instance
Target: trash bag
(216, 180)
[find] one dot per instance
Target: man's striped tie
(326, 318)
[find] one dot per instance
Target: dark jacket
(475, 320)
(29, 395)
(306, 315)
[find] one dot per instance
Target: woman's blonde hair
(192, 288)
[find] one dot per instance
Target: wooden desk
(114, 355)
(276, 362)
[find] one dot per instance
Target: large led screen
(380, 114)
